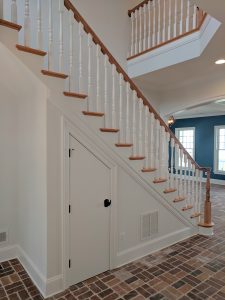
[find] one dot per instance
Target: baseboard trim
(47, 286)
(154, 245)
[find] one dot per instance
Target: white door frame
(69, 129)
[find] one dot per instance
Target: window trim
(215, 159)
(186, 128)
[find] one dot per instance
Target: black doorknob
(107, 202)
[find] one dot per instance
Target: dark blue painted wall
(204, 139)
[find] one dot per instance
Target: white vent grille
(3, 237)
(149, 225)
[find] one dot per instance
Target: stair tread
(168, 191)
(30, 50)
(54, 74)
(10, 25)
(93, 114)
(136, 157)
(195, 215)
(75, 95)
(179, 199)
(148, 170)
(123, 145)
(112, 130)
(160, 180)
(187, 207)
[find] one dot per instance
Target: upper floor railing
(158, 22)
(76, 54)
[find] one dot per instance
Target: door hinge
(69, 208)
(69, 263)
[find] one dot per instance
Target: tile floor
(191, 269)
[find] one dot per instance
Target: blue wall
(204, 139)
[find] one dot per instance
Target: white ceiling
(190, 73)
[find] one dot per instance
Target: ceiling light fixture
(220, 61)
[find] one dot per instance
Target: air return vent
(149, 225)
(3, 236)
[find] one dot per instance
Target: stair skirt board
(10, 25)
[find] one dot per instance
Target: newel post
(207, 224)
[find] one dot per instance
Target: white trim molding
(216, 150)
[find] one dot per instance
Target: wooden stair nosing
(187, 207)
(93, 114)
(123, 145)
(148, 170)
(168, 191)
(30, 50)
(74, 95)
(136, 157)
(112, 130)
(179, 199)
(54, 74)
(160, 180)
(10, 25)
(195, 215)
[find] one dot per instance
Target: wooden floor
(192, 269)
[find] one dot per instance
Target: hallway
(191, 269)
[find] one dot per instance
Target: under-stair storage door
(90, 214)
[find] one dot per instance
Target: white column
(81, 83)
(113, 96)
(189, 182)
(200, 191)
(140, 135)
(185, 179)
(181, 16)
(61, 42)
(157, 149)
(154, 25)
(27, 24)
(181, 192)
(172, 145)
(90, 85)
(194, 23)
(127, 113)
(193, 185)
(136, 32)
(152, 139)
(13, 11)
(98, 88)
(196, 207)
(146, 136)
(159, 23)
(50, 36)
(176, 173)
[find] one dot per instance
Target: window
(219, 150)
(187, 138)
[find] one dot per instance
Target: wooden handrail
(133, 86)
(130, 11)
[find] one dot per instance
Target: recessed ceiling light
(220, 62)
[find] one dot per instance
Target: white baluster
(149, 24)
(188, 16)
(1, 9)
(98, 90)
(71, 20)
(27, 23)
(176, 171)
(50, 36)
(132, 34)
(145, 26)
(161, 152)
(134, 121)
(185, 178)
(136, 32)
(152, 140)
(167, 163)
(200, 191)
(13, 12)
(113, 96)
(39, 26)
(61, 42)
(164, 22)
(196, 207)
(172, 145)
(140, 28)
(140, 136)
(90, 87)
(159, 23)
(157, 148)
(181, 173)
(128, 113)
(193, 185)
(175, 20)
(121, 124)
(154, 25)
(189, 182)
(106, 98)
(194, 25)
(146, 137)
(169, 21)
(81, 32)
(181, 16)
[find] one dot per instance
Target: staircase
(94, 78)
